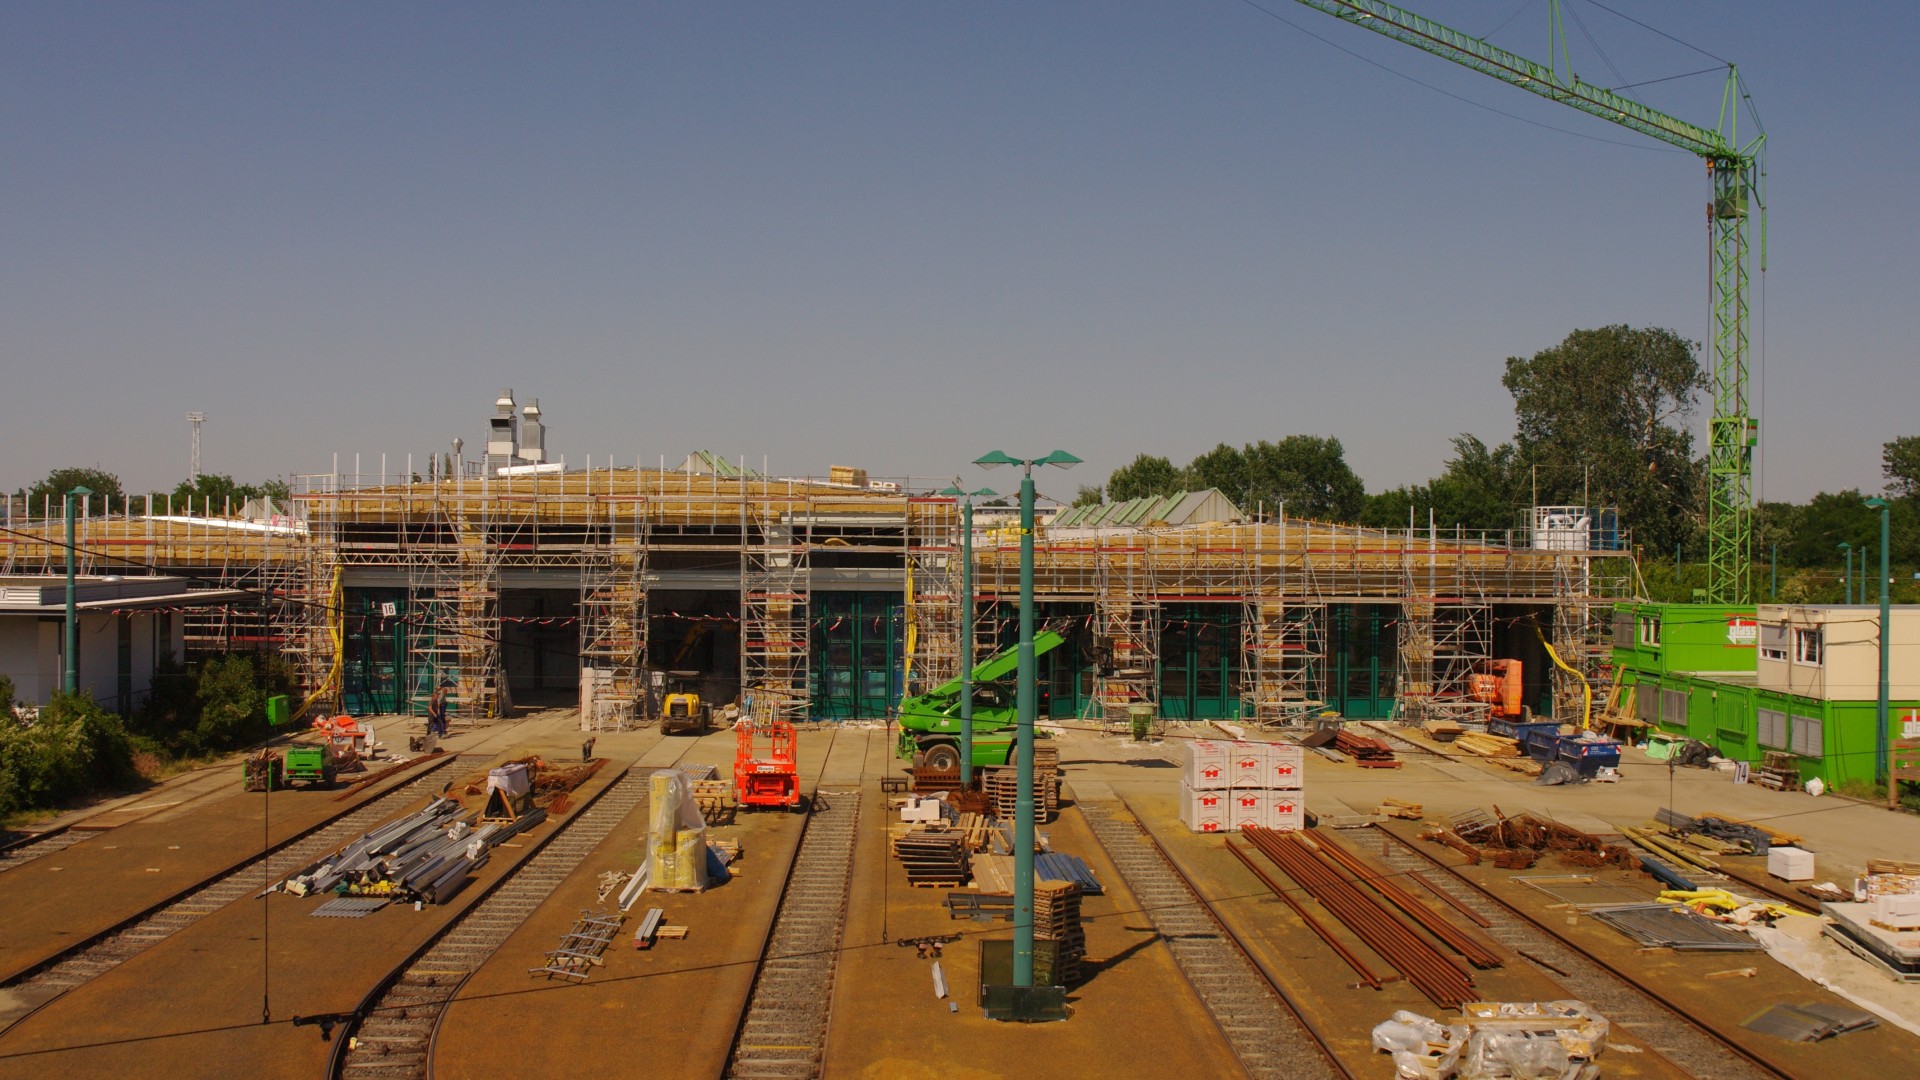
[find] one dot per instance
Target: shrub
(75, 747)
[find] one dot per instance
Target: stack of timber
(933, 859)
(1056, 918)
(1501, 750)
(972, 829)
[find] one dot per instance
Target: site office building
(1800, 678)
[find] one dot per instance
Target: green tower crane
(1734, 170)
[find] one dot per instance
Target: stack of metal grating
(428, 855)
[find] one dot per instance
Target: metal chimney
(502, 433)
(533, 435)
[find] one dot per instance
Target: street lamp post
(966, 622)
(1847, 550)
(1880, 706)
(71, 676)
(1027, 699)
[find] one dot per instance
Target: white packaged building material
(1204, 809)
(1229, 786)
(1790, 863)
(513, 780)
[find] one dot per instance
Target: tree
(1145, 475)
(215, 491)
(1088, 496)
(1480, 490)
(1602, 416)
(1223, 468)
(1900, 462)
(48, 492)
(1307, 473)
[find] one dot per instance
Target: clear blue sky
(897, 235)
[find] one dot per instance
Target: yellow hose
(336, 629)
(1586, 688)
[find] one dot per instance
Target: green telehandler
(930, 722)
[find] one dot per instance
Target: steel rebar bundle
(1430, 971)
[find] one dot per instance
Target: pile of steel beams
(1336, 887)
(428, 855)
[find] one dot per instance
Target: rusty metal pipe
(1359, 966)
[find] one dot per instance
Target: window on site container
(1808, 646)
(1773, 643)
(1807, 741)
(1623, 630)
(1650, 630)
(1770, 727)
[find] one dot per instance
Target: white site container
(1790, 863)
(1204, 809)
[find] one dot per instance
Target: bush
(75, 747)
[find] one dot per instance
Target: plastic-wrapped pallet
(1207, 766)
(676, 834)
(1204, 809)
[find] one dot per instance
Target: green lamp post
(1881, 734)
(966, 621)
(1027, 698)
(71, 676)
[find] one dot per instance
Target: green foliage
(1900, 463)
(105, 487)
(218, 491)
(1603, 415)
(1668, 583)
(1481, 491)
(1146, 475)
(1088, 496)
(1309, 474)
(6, 700)
(73, 748)
(233, 692)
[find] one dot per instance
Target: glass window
(1650, 630)
(1808, 645)
(1773, 643)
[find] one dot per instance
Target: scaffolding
(933, 592)
(1283, 638)
(1126, 627)
(453, 582)
(776, 649)
(613, 617)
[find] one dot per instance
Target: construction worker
(437, 709)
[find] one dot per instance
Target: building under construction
(534, 583)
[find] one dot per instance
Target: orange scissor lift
(766, 769)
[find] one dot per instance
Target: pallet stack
(715, 799)
(1001, 783)
(1056, 918)
(933, 859)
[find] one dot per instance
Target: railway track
(26, 849)
(399, 1018)
(88, 960)
(783, 1031)
(1686, 1041)
(1272, 1040)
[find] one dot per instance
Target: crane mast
(1732, 433)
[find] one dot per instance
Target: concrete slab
(199, 997)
